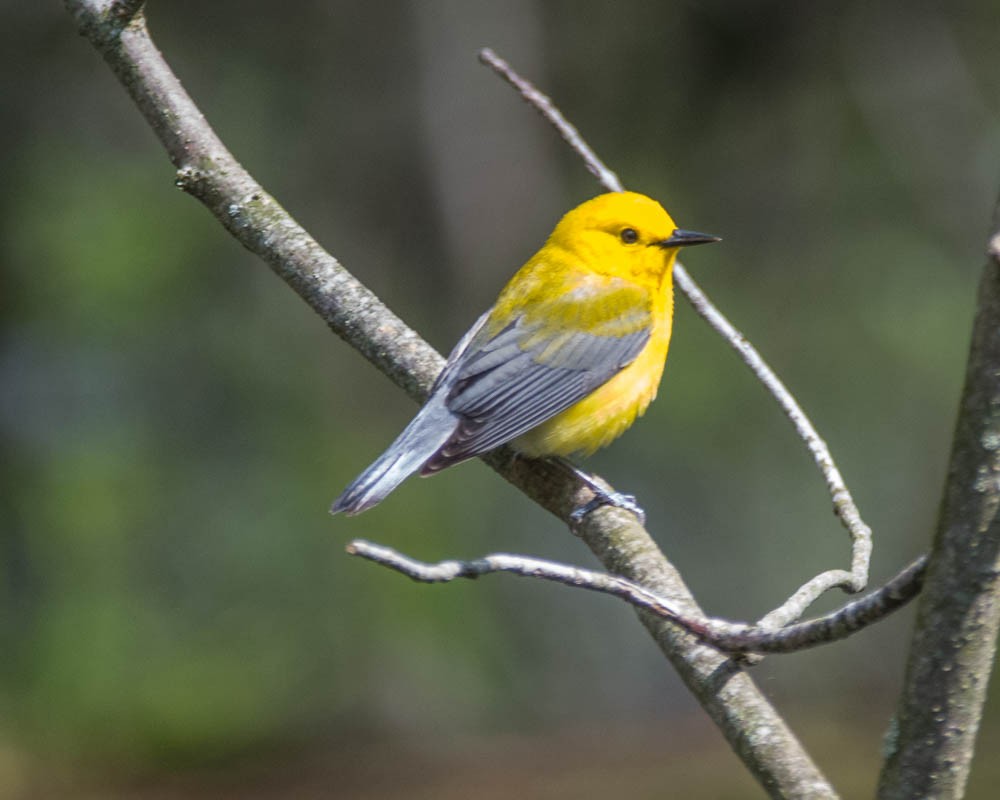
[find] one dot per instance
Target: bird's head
(625, 234)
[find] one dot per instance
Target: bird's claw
(626, 502)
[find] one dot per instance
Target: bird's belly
(604, 414)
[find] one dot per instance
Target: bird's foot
(602, 496)
(627, 502)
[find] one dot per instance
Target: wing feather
(504, 380)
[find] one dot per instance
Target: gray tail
(428, 431)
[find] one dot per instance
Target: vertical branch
(954, 642)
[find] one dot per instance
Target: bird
(568, 357)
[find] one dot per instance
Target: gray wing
(504, 385)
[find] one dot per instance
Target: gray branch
(954, 643)
(207, 171)
(730, 637)
(544, 105)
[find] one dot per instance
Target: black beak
(681, 238)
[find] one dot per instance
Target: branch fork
(770, 635)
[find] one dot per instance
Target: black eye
(629, 236)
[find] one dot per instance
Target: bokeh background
(177, 615)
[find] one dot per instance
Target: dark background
(177, 615)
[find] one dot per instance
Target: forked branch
(730, 637)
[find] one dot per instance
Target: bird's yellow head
(624, 234)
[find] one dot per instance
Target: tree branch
(730, 637)
(954, 643)
(209, 172)
(544, 105)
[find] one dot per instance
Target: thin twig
(730, 637)
(547, 109)
(843, 503)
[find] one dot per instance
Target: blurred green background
(177, 615)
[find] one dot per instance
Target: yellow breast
(610, 410)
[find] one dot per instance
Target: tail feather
(428, 432)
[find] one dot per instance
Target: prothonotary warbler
(571, 353)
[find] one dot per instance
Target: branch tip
(103, 22)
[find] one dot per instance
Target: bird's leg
(602, 496)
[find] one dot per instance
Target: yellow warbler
(571, 353)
